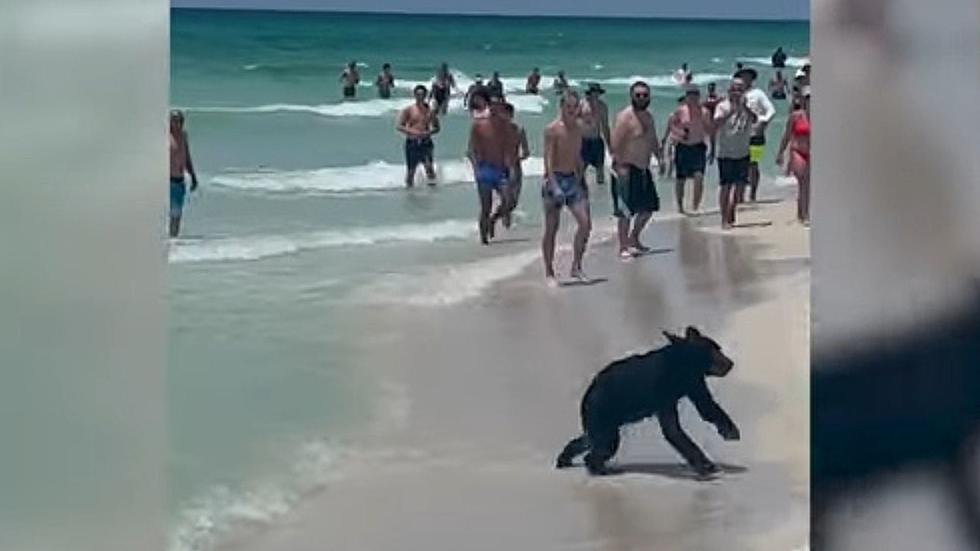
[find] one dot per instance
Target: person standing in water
(634, 142)
(533, 82)
(477, 85)
(764, 111)
(778, 86)
(442, 86)
(521, 152)
(564, 187)
(682, 75)
(560, 84)
(491, 153)
(350, 79)
(496, 86)
(732, 132)
(690, 126)
(180, 164)
(797, 137)
(385, 81)
(593, 118)
(712, 99)
(418, 122)
(779, 58)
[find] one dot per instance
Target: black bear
(641, 386)
(893, 403)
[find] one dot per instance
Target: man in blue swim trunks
(491, 152)
(180, 164)
(564, 186)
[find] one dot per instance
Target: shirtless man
(778, 86)
(180, 163)
(350, 78)
(477, 84)
(442, 86)
(690, 126)
(491, 152)
(521, 152)
(668, 142)
(593, 116)
(634, 142)
(560, 84)
(533, 82)
(496, 86)
(563, 186)
(478, 102)
(419, 123)
(385, 81)
(712, 99)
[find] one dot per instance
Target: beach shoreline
(479, 396)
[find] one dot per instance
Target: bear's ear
(692, 332)
(674, 339)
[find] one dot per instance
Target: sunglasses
(641, 96)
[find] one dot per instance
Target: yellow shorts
(756, 153)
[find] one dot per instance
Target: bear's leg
(575, 448)
(603, 446)
(671, 427)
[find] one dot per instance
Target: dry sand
(479, 398)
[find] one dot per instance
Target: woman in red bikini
(797, 137)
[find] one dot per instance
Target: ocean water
(302, 221)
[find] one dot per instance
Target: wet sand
(478, 398)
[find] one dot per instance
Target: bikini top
(801, 126)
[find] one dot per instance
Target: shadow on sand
(577, 283)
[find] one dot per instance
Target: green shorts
(756, 153)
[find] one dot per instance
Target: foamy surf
(371, 177)
(362, 108)
(767, 61)
(453, 284)
(265, 246)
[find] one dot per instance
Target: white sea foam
(266, 246)
(767, 61)
(373, 176)
(456, 283)
(364, 108)
(663, 81)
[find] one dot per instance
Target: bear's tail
(575, 447)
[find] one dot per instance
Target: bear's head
(704, 350)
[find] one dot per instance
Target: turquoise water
(302, 222)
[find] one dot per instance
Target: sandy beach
(480, 396)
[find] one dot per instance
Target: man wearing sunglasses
(633, 143)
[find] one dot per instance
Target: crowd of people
(729, 130)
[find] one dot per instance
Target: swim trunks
(689, 159)
(637, 192)
(567, 190)
(440, 94)
(491, 177)
(178, 191)
(757, 149)
(350, 91)
(733, 171)
(418, 150)
(593, 152)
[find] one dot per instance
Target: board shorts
(491, 177)
(733, 171)
(593, 152)
(178, 192)
(757, 149)
(440, 95)
(350, 91)
(690, 159)
(418, 150)
(570, 190)
(637, 192)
